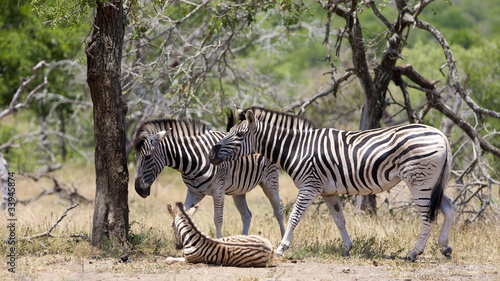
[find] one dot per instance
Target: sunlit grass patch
(383, 240)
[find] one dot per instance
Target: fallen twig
(49, 231)
(62, 190)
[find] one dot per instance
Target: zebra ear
(171, 211)
(192, 210)
(238, 110)
(239, 113)
(250, 118)
(160, 136)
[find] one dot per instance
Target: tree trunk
(370, 119)
(4, 183)
(62, 130)
(373, 108)
(104, 52)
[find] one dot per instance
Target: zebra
(184, 146)
(329, 162)
(238, 250)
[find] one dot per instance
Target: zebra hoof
(278, 252)
(346, 253)
(446, 250)
(412, 256)
(281, 249)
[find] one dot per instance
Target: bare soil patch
(282, 270)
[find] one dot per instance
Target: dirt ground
(57, 259)
(283, 270)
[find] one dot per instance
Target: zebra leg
(422, 238)
(421, 200)
(304, 199)
(272, 193)
(333, 203)
(192, 199)
(218, 197)
(171, 260)
(240, 202)
(448, 208)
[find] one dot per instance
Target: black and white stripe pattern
(239, 250)
(329, 162)
(184, 145)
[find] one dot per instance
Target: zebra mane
(180, 208)
(180, 128)
(282, 120)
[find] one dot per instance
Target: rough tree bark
(374, 88)
(374, 92)
(104, 52)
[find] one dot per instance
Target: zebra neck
(192, 237)
(189, 155)
(281, 145)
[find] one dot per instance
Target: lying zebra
(239, 250)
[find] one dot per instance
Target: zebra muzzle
(142, 190)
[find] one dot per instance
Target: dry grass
(383, 240)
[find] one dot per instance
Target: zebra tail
(438, 190)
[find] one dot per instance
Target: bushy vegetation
(287, 66)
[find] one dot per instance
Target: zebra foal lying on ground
(239, 250)
(184, 145)
(329, 162)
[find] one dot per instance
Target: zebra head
(148, 157)
(181, 222)
(239, 142)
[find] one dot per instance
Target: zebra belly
(337, 187)
(238, 190)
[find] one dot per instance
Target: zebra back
(278, 119)
(180, 127)
(239, 250)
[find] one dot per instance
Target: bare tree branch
(333, 89)
(402, 85)
(387, 24)
(26, 138)
(13, 107)
(453, 68)
(63, 191)
(435, 101)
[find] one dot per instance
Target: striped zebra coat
(330, 162)
(184, 145)
(239, 250)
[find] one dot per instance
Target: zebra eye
(240, 134)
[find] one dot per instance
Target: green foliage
(56, 43)
(21, 30)
(481, 64)
(62, 13)
(463, 22)
(276, 72)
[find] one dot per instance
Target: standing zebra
(330, 162)
(238, 250)
(184, 145)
